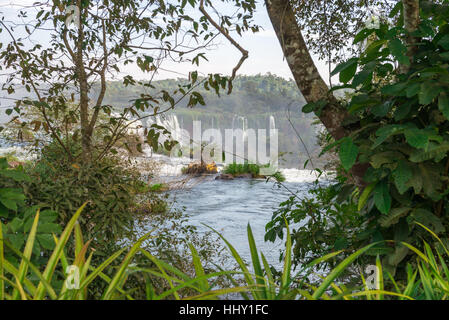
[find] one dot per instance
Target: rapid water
(229, 205)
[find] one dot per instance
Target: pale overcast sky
(265, 54)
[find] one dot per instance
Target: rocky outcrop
(224, 176)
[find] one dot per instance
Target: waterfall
(272, 123)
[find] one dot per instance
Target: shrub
(322, 221)
(237, 169)
(108, 187)
(17, 217)
(399, 119)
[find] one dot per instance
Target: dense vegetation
(399, 109)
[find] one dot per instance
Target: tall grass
(428, 278)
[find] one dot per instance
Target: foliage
(17, 217)
(66, 278)
(322, 221)
(109, 187)
(28, 281)
(158, 187)
(238, 169)
(402, 133)
(329, 25)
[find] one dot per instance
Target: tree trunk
(306, 74)
(411, 22)
(86, 136)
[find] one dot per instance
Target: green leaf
(443, 104)
(413, 89)
(46, 241)
(433, 151)
(363, 77)
(362, 35)
(402, 174)
(417, 138)
(338, 270)
(314, 106)
(256, 263)
(49, 228)
(431, 177)
(382, 198)
(348, 73)
(393, 217)
(428, 219)
(348, 153)
(444, 42)
(428, 92)
(399, 50)
(415, 181)
(365, 195)
(381, 110)
(379, 159)
(344, 65)
(385, 132)
(394, 89)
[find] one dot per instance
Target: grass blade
(23, 268)
(54, 258)
(339, 269)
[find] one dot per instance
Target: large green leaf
(385, 132)
(382, 198)
(444, 42)
(402, 174)
(431, 177)
(348, 73)
(393, 217)
(429, 91)
(348, 153)
(417, 138)
(379, 159)
(365, 195)
(399, 50)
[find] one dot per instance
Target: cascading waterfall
(272, 124)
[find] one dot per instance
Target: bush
(322, 221)
(237, 169)
(17, 217)
(109, 188)
(118, 206)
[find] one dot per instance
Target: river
(229, 205)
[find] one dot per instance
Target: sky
(265, 54)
